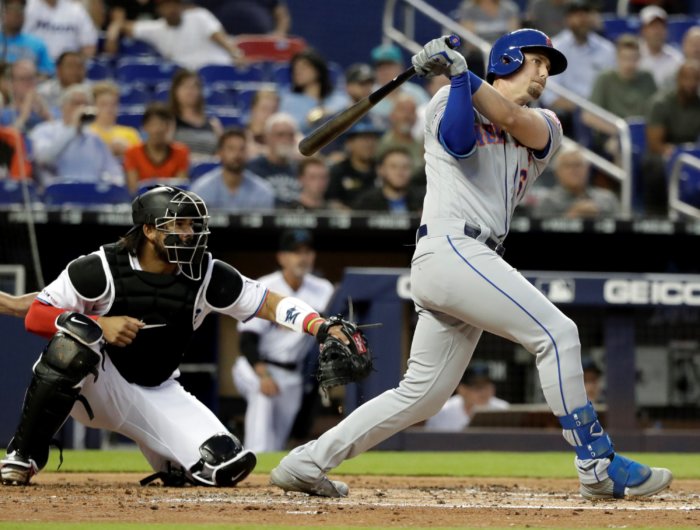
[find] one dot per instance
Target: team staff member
(119, 321)
(269, 374)
(483, 149)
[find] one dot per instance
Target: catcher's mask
(162, 207)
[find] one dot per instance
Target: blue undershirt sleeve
(456, 130)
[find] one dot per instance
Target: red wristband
(311, 323)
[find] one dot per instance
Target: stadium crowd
(123, 95)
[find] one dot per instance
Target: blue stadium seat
(11, 191)
(144, 185)
(134, 95)
(219, 97)
(229, 116)
(98, 70)
(136, 47)
(161, 92)
(85, 194)
(151, 73)
(282, 75)
(197, 169)
(677, 26)
(614, 26)
(244, 99)
(131, 117)
(215, 73)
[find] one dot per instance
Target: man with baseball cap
(658, 57)
(269, 372)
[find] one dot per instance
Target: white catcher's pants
(167, 422)
(460, 288)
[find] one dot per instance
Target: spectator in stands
(27, 108)
(388, 63)
(593, 380)
(130, 9)
(359, 82)
(231, 186)
(673, 119)
(691, 44)
(394, 168)
(488, 19)
(117, 137)
(14, 162)
(276, 166)
(625, 91)
(193, 127)
(401, 122)
(190, 37)
(65, 151)
(591, 53)
(658, 57)
(572, 197)
(265, 103)
(257, 17)
(546, 15)
(476, 389)
(356, 173)
(312, 173)
(159, 157)
(70, 70)
(311, 95)
(63, 25)
(16, 44)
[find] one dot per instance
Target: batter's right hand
(437, 58)
(120, 331)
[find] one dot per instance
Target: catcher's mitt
(338, 363)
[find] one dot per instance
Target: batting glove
(437, 58)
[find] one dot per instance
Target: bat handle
(453, 41)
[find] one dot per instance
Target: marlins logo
(292, 314)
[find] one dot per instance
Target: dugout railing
(398, 25)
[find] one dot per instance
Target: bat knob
(453, 41)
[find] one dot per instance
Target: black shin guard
(224, 462)
(65, 362)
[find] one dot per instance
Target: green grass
(453, 464)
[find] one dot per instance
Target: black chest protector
(166, 299)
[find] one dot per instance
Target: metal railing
(406, 37)
(675, 205)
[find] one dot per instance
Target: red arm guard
(41, 319)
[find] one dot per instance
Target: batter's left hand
(437, 58)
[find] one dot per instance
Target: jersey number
(521, 183)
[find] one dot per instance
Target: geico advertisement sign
(651, 292)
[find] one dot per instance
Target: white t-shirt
(276, 342)
(663, 66)
(65, 27)
(61, 293)
(453, 417)
(188, 44)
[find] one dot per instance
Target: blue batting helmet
(507, 56)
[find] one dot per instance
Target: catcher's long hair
(132, 242)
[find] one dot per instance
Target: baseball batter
(269, 373)
(483, 149)
(119, 321)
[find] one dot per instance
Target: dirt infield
(373, 501)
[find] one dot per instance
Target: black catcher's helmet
(161, 206)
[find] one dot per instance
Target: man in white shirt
(476, 389)
(65, 151)
(190, 37)
(269, 371)
(589, 52)
(63, 25)
(659, 58)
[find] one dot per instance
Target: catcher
(118, 321)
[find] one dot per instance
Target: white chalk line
(320, 503)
